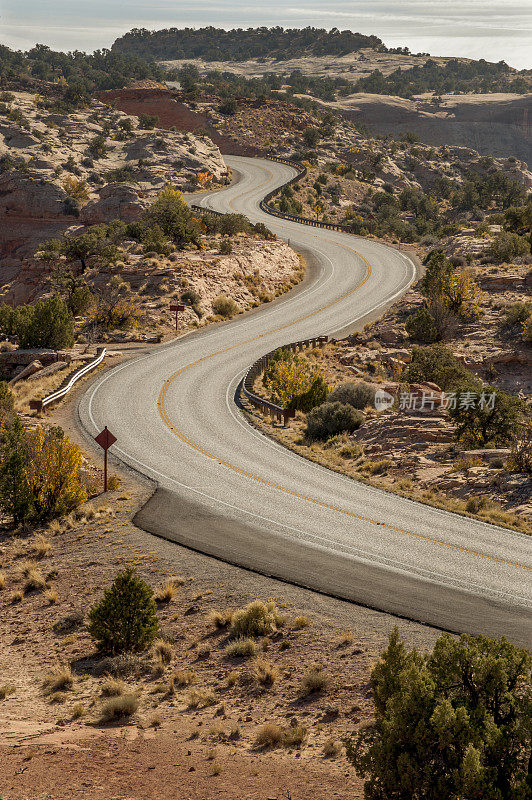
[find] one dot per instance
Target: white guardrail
(39, 405)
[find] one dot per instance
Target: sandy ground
(168, 749)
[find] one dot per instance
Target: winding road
(227, 490)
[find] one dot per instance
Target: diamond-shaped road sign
(105, 439)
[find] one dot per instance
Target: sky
(491, 29)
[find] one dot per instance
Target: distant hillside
(215, 44)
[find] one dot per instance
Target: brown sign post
(105, 439)
(177, 308)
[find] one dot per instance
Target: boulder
(116, 201)
(24, 195)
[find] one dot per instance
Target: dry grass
(5, 690)
(265, 673)
(181, 678)
(273, 735)
(221, 619)
(2, 580)
(115, 708)
(301, 622)
(314, 680)
(167, 591)
(52, 596)
(163, 651)
(256, 619)
(26, 566)
(332, 748)
(40, 546)
(241, 648)
(232, 678)
(35, 581)
(58, 679)
(78, 711)
(200, 698)
(345, 637)
(17, 596)
(113, 687)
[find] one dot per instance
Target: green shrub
(228, 107)
(437, 364)
(517, 313)
(225, 247)
(48, 323)
(148, 121)
(125, 619)
(485, 422)
(453, 723)
(224, 306)
(358, 395)
(331, 418)
(422, 327)
(315, 395)
(507, 246)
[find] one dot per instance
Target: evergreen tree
(125, 618)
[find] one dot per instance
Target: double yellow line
(181, 436)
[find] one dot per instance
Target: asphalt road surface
(227, 490)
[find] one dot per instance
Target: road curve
(227, 490)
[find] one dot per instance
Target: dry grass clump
(26, 566)
(17, 596)
(55, 527)
(221, 619)
(314, 681)
(58, 679)
(256, 619)
(265, 673)
(301, 622)
(200, 698)
(118, 707)
(168, 590)
(273, 735)
(35, 581)
(2, 580)
(40, 546)
(78, 711)
(181, 678)
(5, 690)
(52, 596)
(113, 687)
(332, 748)
(232, 678)
(344, 638)
(243, 647)
(163, 651)
(379, 467)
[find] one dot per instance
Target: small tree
(421, 327)
(51, 325)
(491, 418)
(358, 395)
(125, 619)
(16, 497)
(437, 364)
(170, 212)
(288, 376)
(452, 724)
(332, 418)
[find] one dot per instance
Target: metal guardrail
(260, 366)
(39, 405)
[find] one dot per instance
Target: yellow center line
(180, 435)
